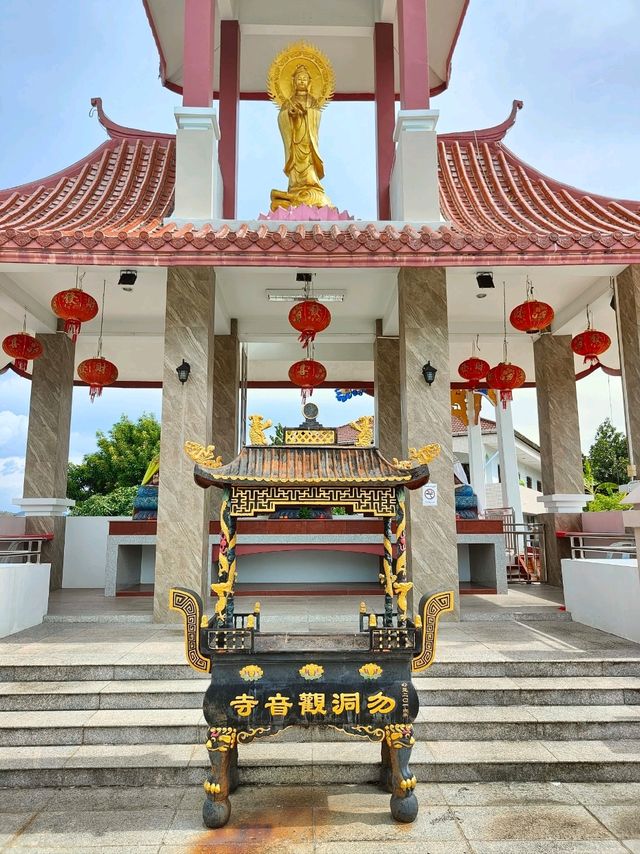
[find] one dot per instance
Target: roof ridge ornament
(491, 134)
(116, 131)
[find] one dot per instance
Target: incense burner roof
(114, 206)
(297, 466)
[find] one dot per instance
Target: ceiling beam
(579, 305)
(15, 301)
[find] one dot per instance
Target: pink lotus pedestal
(304, 213)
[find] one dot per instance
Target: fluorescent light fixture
(297, 295)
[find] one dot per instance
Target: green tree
(609, 455)
(121, 459)
(116, 503)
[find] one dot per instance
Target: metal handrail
(617, 544)
(524, 544)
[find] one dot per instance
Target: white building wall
(85, 550)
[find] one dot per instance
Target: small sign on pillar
(430, 495)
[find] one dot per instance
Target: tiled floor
(476, 818)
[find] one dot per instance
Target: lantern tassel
(72, 329)
(506, 395)
(95, 391)
(306, 338)
(21, 364)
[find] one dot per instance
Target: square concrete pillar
(386, 383)
(560, 453)
(47, 456)
(628, 316)
(184, 509)
(426, 418)
(226, 375)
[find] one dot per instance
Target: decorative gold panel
(310, 437)
(250, 501)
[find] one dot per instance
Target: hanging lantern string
(24, 321)
(589, 317)
(504, 318)
(104, 288)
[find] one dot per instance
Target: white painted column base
(44, 506)
(414, 178)
(561, 503)
(198, 186)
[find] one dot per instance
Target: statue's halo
(280, 76)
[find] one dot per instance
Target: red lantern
(531, 316)
(74, 306)
(591, 344)
(307, 374)
(309, 317)
(97, 373)
(504, 378)
(473, 370)
(22, 347)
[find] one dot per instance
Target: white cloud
(12, 427)
(11, 478)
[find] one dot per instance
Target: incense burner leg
(223, 777)
(385, 767)
(404, 804)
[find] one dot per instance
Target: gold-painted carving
(251, 673)
(222, 739)
(311, 671)
(211, 788)
(364, 428)
(257, 426)
(278, 706)
(188, 605)
(251, 501)
(203, 455)
(243, 705)
(401, 589)
(301, 82)
(380, 704)
(223, 590)
(345, 702)
(439, 603)
(312, 704)
(299, 436)
(399, 735)
(370, 671)
(420, 456)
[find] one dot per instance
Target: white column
(476, 455)
(415, 194)
(198, 183)
(509, 479)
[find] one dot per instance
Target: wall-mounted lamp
(429, 373)
(127, 279)
(183, 370)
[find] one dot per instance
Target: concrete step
(556, 665)
(434, 723)
(276, 763)
(529, 691)
(444, 691)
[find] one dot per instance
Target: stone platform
(477, 818)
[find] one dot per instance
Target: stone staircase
(131, 725)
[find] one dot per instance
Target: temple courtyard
(101, 736)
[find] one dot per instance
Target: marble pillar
(226, 373)
(509, 477)
(426, 418)
(628, 316)
(560, 453)
(47, 455)
(386, 382)
(184, 509)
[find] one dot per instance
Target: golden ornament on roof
(420, 456)
(203, 455)
(364, 427)
(257, 426)
(301, 82)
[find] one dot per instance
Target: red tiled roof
(459, 428)
(110, 207)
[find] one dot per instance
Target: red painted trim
(229, 103)
(264, 548)
(197, 54)
(385, 113)
(413, 49)
(492, 134)
(367, 386)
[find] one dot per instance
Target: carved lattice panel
(310, 437)
(250, 501)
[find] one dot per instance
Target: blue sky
(574, 65)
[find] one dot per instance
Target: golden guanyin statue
(301, 83)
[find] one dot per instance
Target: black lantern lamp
(183, 370)
(429, 373)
